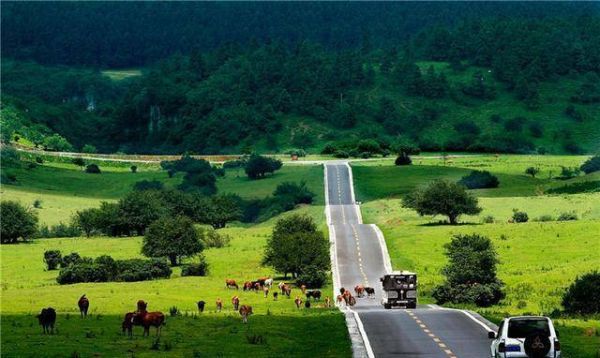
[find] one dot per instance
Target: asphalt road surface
(424, 332)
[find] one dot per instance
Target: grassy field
(27, 286)
(538, 260)
(64, 188)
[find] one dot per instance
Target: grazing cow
(235, 301)
(248, 286)
(229, 283)
(269, 282)
(348, 298)
(370, 292)
(201, 305)
(47, 319)
(315, 294)
(256, 286)
(262, 280)
(359, 290)
(127, 324)
(298, 302)
(147, 319)
(141, 305)
(351, 300)
(266, 291)
(219, 304)
(280, 286)
(286, 290)
(342, 290)
(303, 288)
(83, 304)
(275, 294)
(245, 311)
(327, 302)
(307, 304)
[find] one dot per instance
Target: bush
(88, 148)
(59, 230)
(83, 272)
(57, 143)
(196, 269)
(288, 195)
(403, 159)
(568, 172)
(39, 160)
(92, 169)
(133, 168)
(545, 218)
(148, 185)
(214, 239)
(258, 166)
(369, 146)
(489, 219)
(520, 216)
(479, 179)
(78, 162)
(232, 164)
(591, 165)
(16, 222)
(533, 171)
(483, 295)
(583, 296)
(52, 258)
(341, 154)
(567, 216)
(329, 148)
(365, 155)
(312, 277)
(71, 259)
(37, 203)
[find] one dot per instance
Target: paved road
(425, 332)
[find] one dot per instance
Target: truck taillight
(556, 345)
(501, 347)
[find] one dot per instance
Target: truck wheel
(387, 306)
(412, 305)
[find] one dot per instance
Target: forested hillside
(523, 80)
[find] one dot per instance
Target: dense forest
(222, 79)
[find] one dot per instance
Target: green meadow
(277, 328)
(538, 260)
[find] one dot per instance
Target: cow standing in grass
(235, 301)
(298, 302)
(47, 319)
(201, 305)
(84, 305)
(229, 283)
(219, 304)
(245, 311)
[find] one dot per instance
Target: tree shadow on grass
(446, 223)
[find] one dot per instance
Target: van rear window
(522, 328)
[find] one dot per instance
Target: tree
(17, 222)
(591, 165)
(78, 162)
(442, 197)
(533, 171)
(403, 159)
(92, 169)
(470, 272)
(88, 148)
(296, 245)
(257, 166)
(57, 143)
(140, 208)
(583, 296)
(173, 238)
(87, 220)
(52, 258)
(133, 169)
(218, 210)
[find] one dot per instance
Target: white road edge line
(351, 182)
(363, 333)
(488, 329)
(384, 251)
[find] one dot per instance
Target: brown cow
(339, 299)
(141, 305)
(248, 286)
(229, 283)
(327, 302)
(245, 311)
(83, 304)
(219, 304)
(303, 288)
(147, 319)
(359, 290)
(298, 302)
(266, 291)
(47, 319)
(235, 301)
(286, 290)
(127, 324)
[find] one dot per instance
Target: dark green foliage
(172, 238)
(133, 169)
(92, 169)
(470, 272)
(257, 166)
(514, 124)
(591, 165)
(567, 216)
(341, 154)
(583, 296)
(60, 230)
(589, 92)
(442, 197)
(573, 113)
(312, 277)
(199, 175)
(533, 171)
(295, 245)
(78, 162)
(218, 210)
(479, 88)
(288, 195)
(592, 186)
(141, 208)
(568, 172)
(18, 223)
(520, 216)
(88, 148)
(71, 259)
(52, 258)
(403, 159)
(88, 220)
(199, 268)
(212, 238)
(148, 185)
(57, 143)
(233, 164)
(479, 179)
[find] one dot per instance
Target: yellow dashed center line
(439, 342)
(360, 265)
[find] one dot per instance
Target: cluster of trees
(479, 179)
(296, 247)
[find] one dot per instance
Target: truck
(399, 289)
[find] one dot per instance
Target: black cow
(370, 291)
(201, 306)
(315, 294)
(47, 319)
(307, 304)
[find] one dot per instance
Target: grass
(118, 75)
(75, 190)
(538, 260)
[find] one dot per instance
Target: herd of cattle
(141, 317)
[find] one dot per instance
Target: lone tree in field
(297, 246)
(583, 296)
(17, 222)
(533, 171)
(173, 238)
(257, 166)
(470, 272)
(442, 197)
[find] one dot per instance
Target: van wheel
(412, 305)
(387, 306)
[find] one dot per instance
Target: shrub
(520, 216)
(533, 171)
(78, 162)
(39, 160)
(141, 270)
(88, 148)
(133, 168)
(231, 164)
(289, 194)
(568, 172)
(489, 219)
(341, 154)
(71, 259)
(16, 222)
(212, 238)
(591, 165)
(483, 295)
(365, 155)
(83, 272)
(57, 143)
(60, 230)
(52, 258)
(148, 185)
(196, 269)
(368, 145)
(92, 169)
(37, 203)
(173, 238)
(545, 218)
(329, 148)
(567, 216)
(479, 179)
(403, 159)
(258, 166)
(583, 296)
(312, 277)
(174, 311)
